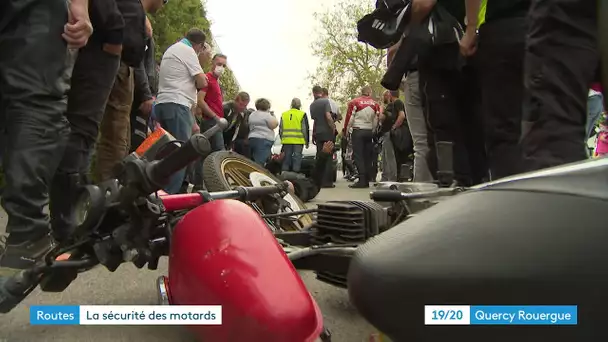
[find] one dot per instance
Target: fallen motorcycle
(221, 251)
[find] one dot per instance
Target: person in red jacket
(362, 118)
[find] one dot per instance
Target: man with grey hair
(293, 131)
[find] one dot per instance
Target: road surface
(130, 286)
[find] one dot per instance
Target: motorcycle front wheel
(226, 170)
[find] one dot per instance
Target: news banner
(126, 315)
(212, 315)
(500, 315)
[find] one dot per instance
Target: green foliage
(174, 20)
(229, 85)
(346, 65)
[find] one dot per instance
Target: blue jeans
(217, 144)
(217, 140)
(595, 108)
(178, 121)
(293, 157)
(260, 150)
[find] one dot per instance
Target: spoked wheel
(225, 170)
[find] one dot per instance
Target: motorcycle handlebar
(197, 146)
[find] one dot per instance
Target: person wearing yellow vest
(293, 131)
(496, 35)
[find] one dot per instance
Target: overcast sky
(268, 45)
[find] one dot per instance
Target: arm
(473, 7)
(272, 122)
(330, 121)
(281, 128)
(400, 108)
(390, 54)
(328, 117)
(306, 130)
(349, 113)
(375, 119)
(421, 9)
(201, 81)
(200, 100)
(150, 67)
(468, 43)
(142, 87)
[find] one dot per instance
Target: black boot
(63, 192)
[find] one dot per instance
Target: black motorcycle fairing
(586, 179)
(497, 247)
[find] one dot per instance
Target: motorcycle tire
(215, 180)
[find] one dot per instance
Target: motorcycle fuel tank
(222, 253)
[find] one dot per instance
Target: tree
(174, 20)
(229, 85)
(346, 65)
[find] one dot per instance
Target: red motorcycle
(221, 251)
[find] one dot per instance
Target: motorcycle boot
(63, 192)
(35, 69)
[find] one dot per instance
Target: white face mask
(219, 70)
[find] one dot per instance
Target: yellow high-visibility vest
(292, 121)
(481, 17)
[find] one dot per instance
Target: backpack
(134, 33)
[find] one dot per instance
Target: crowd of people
(506, 94)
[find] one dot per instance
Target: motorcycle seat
(535, 239)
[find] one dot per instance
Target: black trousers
(363, 154)
(561, 62)
(500, 57)
(453, 115)
(92, 79)
(327, 178)
(35, 68)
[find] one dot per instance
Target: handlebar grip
(254, 193)
(386, 195)
(197, 146)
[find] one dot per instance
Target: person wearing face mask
(180, 76)
(211, 100)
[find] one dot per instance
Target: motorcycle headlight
(89, 207)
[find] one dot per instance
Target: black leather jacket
(145, 76)
(107, 21)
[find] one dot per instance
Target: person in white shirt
(180, 78)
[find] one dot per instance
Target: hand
(381, 116)
(146, 107)
(78, 29)
(196, 129)
(328, 147)
(307, 145)
(149, 31)
(468, 43)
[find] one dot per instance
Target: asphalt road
(130, 286)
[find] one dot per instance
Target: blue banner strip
(524, 315)
(55, 315)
